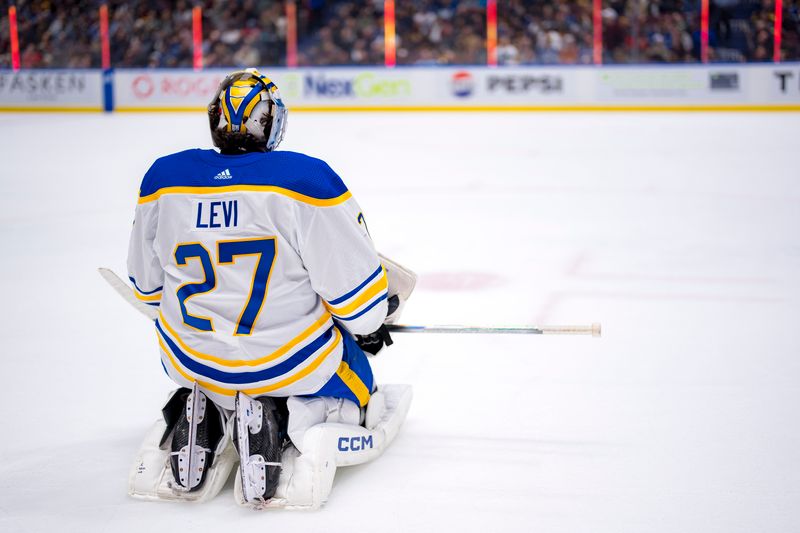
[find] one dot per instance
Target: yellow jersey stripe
(354, 383)
(319, 202)
(381, 284)
(260, 390)
(147, 297)
(283, 350)
(204, 384)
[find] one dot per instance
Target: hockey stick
(593, 330)
(124, 290)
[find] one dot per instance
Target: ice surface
(679, 232)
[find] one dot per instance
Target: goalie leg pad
(259, 434)
(151, 476)
(306, 478)
(196, 434)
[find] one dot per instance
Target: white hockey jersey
(249, 257)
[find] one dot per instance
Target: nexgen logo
(354, 444)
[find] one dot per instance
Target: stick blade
(126, 292)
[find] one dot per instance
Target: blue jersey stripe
(354, 291)
(239, 378)
(370, 306)
(140, 290)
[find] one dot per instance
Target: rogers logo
(147, 86)
(203, 86)
(463, 84)
(143, 86)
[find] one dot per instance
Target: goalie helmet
(247, 114)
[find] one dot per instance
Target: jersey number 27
(265, 248)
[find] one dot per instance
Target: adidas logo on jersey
(224, 175)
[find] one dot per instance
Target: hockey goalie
(269, 294)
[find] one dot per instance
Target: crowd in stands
(150, 34)
(341, 33)
(668, 31)
(60, 33)
(158, 33)
(660, 31)
(544, 32)
(441, 32)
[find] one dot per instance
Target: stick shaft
(126, 292)
(593, 329)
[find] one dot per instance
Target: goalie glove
(375, 341)
(401, 284)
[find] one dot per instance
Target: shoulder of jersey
(197, 171)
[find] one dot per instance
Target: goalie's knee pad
(306, 412)
(196, 426)
(259, 434)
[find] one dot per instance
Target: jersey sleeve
(144, 267)
(343, 265)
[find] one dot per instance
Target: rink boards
(771, 87)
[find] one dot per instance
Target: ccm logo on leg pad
(354, 444)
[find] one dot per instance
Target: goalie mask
(247, 114)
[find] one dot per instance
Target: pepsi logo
(463, 84)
